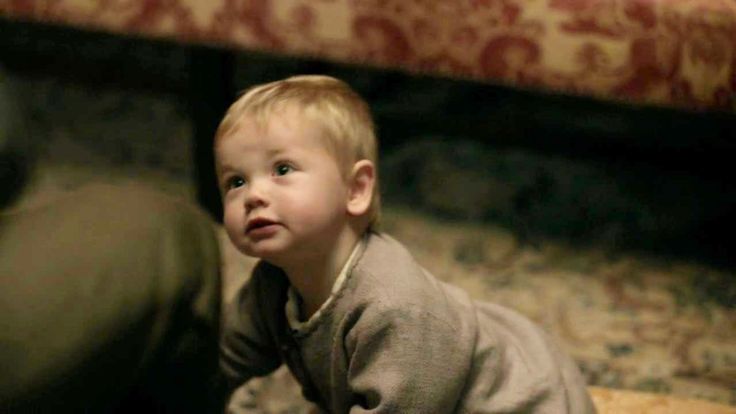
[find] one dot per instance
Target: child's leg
(109, 301)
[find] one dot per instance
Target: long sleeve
(401, 360)
(248, 348)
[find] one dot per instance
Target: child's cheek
(233, 227)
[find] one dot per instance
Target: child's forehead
(280, 130)
(265, 118)
(273, 130)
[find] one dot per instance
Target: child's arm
(247, 349)
(402, 360)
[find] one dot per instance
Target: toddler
(361, 325)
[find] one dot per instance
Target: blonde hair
(344, 116)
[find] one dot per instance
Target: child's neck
(314, 277)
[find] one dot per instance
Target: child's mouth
(259, 226)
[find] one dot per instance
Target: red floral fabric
(667, 52)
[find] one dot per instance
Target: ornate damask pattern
(664, 52)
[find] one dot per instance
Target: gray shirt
(394, 339)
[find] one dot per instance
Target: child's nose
(256, 197)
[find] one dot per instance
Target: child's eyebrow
(276, 152)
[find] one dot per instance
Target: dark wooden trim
(210, 92)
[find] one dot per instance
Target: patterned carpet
(632, 320)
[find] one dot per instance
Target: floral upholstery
(664, 52)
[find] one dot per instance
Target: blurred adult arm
(110, 302)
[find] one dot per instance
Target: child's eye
(235, 182)
(283, 169)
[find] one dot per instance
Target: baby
(361, 325)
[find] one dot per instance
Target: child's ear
(362, 181)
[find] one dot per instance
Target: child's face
(284, 197)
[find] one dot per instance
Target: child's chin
(270, 255)
(254, 253)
